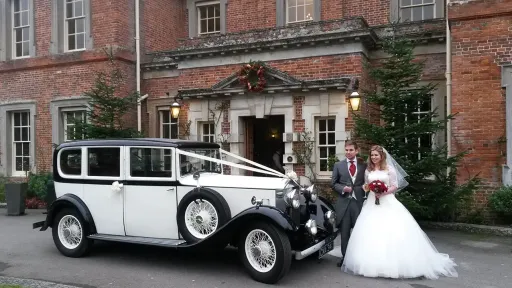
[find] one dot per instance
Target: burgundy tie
(352, 168)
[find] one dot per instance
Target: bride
(386, 240)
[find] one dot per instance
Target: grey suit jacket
(340, 179)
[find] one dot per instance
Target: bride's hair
(383, 164)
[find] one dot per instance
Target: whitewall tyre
(265, 251)
(201, 214)
(70, 231)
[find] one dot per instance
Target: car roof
(159, 142)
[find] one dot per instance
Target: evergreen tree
(409, 125)
(107, 107)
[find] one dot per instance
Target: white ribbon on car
(291, 175)
(116, 187)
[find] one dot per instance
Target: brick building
(192, 50)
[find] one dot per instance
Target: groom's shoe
(340, 263)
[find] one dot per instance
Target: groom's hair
(353, 143)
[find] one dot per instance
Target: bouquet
(378, 187)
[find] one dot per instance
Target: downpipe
(448, 83)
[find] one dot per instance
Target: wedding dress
(387, 241)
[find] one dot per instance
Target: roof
(159, 142)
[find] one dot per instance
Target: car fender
(69, 200)
(249, 215)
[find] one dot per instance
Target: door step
(138, 240)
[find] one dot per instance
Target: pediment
(274, 77)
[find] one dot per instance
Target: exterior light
(175, 107)
(355, 100)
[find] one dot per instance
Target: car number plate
(326, 248)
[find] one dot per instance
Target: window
(326, 142)
(71, 26)
(190, 164)
(16, 29)
(21, 28)
(208, 132)
(70, 119)
(168, 125)
(208, 17)
(421, 110)
(74, 26)
(21, 142)
(104, 162)
(151, 162)
(71, 161)
(416, 10)
(299, 10)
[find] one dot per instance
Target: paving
(485, 261)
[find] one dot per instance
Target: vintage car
(174, 193)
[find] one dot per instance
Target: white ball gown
(387, 241)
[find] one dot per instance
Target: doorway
(263, 137)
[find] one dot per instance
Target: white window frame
(75, 18)
(65, 124)
(170, 124)
(287, 9)
(422, 5)
(211, 133)
(85, 164)
(326, 145)
(22, 27)
(22, 172)
(200, 5)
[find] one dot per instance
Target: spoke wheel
(70, 232)
(201, 218)
(260, 250)
(265, 251)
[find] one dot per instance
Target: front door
(150, 193)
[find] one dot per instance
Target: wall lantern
(355, 101)
(175, 107)
(355, 98)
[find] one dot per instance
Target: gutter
(137, 65)
(448, 81)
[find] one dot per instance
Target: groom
(348, 181)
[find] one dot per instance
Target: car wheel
(265, 251)
(70, 231)
(201, 213)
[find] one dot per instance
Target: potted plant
(15, 194)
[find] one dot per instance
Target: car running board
(138, 240)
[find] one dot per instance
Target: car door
(150, 192)
(103, 168)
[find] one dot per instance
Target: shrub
(500, 202)
(2, 188)
(37, 185)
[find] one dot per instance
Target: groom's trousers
(348, 222)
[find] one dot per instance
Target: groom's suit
(348, 205)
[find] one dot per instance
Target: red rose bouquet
(378, 187)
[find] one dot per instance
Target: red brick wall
(46, 77)
(243, 15)
(375, 12)
(163, 23)
(43, 85)
(480, 44)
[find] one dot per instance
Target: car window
(104, 162)
(150, 162)
(71, 161)
(190, 164)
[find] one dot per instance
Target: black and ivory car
(174, 193)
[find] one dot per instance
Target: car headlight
(292, 198)
(331, 217)
(311, 226)
(311, 193)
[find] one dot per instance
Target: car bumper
(323, 247)
(41, 224)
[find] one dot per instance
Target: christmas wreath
(252, 75)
